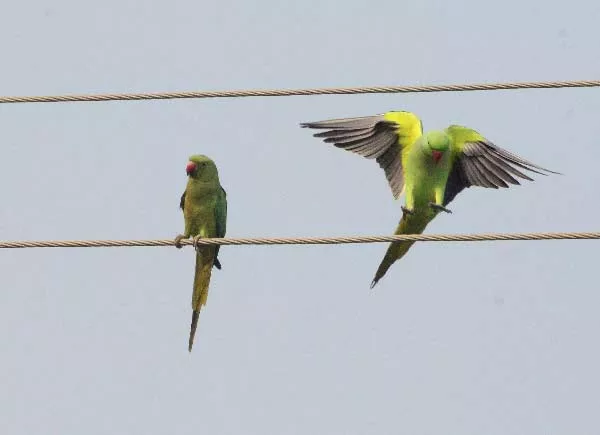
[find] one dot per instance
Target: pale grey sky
(487, 338)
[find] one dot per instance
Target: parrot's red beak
(437, 155)
(190, 168)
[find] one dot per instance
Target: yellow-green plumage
(204, 205)
(431, 168)
(425, 183)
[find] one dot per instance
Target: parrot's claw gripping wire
(439, 207)
(195, 244)
(177, 241)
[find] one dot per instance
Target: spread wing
(478, 162)
(381, 137)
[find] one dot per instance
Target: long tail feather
(204, 263)
(409, 224)
(193, 326)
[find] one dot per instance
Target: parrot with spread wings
(430, 168)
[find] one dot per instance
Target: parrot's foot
(407, 210)
(195, 239)
(178, 240)
(439, 207)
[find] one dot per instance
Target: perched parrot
(431, 168)
(204, 205)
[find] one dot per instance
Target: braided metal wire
(291, 92)
(303, 240)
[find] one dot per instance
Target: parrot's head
(437, 143)
(201, 168)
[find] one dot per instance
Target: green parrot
(431, 168)
(204, 205)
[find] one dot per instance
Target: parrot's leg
(195, 239)
(178, 240)
(200, 235)
(406, 210)
(439, 200)
(439, 207)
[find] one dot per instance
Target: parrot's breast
(423, 176)
(199, 209)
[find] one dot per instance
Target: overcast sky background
(494, 338)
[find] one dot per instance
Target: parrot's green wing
(478, 162)
(382, 137)
(221, 220)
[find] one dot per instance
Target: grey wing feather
(487, 165)
(368, 136)
(483, 176)
(392, 166)
(348, 135)
(360, 122)
(371, 137)
(457, 181)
